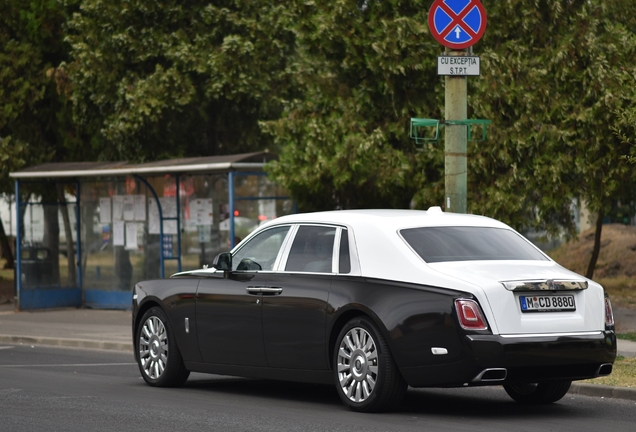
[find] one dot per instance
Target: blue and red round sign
(457, 24)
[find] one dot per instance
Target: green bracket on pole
(417, 123)
(469, 123)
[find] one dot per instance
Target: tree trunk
(22, 209)
(51, 239)
(70, 248)
(7, 253)
(597, 245)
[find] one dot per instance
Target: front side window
(312, 250)
(439, 244)
(260, 252)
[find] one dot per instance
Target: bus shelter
(88, 231)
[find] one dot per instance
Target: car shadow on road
(283, 390)
(478, 403)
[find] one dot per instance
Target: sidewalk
(81, 328)
(112, 330)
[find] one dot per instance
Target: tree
(35, 125)
(555, 74)
(559, 72)
(172, 78)
(625, 129)
(363, 69)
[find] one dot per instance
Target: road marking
(6, 347)
(67, 365)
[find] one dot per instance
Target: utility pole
(456, 25)
(456, 139)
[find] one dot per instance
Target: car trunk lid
(534, 280)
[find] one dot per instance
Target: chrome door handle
(271, 290)
(255, 289)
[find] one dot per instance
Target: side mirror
(223, 261)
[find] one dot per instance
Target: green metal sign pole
(456, 139)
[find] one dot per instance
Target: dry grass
(616, 266)
(622, 290)
(623, 375)
(617, 257)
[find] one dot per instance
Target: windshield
(439, 244)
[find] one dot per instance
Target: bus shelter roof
(206, 164)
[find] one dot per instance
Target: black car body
(314, 299)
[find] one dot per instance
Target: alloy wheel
(153, 347)
(357, 364)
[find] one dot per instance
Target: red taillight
(609, 315)
(470, 315)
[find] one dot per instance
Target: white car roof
(391, 220)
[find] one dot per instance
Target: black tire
(158, 356)
(366, 377)
(537, 393)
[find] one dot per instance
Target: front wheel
(365, 374)
(158, 356)
(537, 393)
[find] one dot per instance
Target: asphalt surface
(55, 389)
(112, 330)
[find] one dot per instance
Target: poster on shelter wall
(266, 210)
(104, 210)
(168, 209)
(118, 207)
(204, 233)
(118, 233)
(131, 236)
(129, 207)
(201, 211)
(140, 208)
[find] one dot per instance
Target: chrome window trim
(281, 259)
(335, 255)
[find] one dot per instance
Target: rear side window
(312, 250)
(439, 244)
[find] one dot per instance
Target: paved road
(46, 388)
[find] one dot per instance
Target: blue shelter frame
(233, 168)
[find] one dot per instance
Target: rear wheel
(365, 374)
(537, 393)
(159, 359)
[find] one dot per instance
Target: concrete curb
(69, 343)
(603, 391)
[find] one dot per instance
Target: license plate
(542, 303)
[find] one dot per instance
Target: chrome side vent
(491, 375)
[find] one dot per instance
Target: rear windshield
(439, 244)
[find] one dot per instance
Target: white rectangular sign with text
(458, 65)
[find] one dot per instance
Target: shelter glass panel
(117, 250)
(48, 234)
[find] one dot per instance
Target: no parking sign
(457, 24)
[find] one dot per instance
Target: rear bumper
(530, 359)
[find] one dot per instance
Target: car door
(229, 310)
(294, 318)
